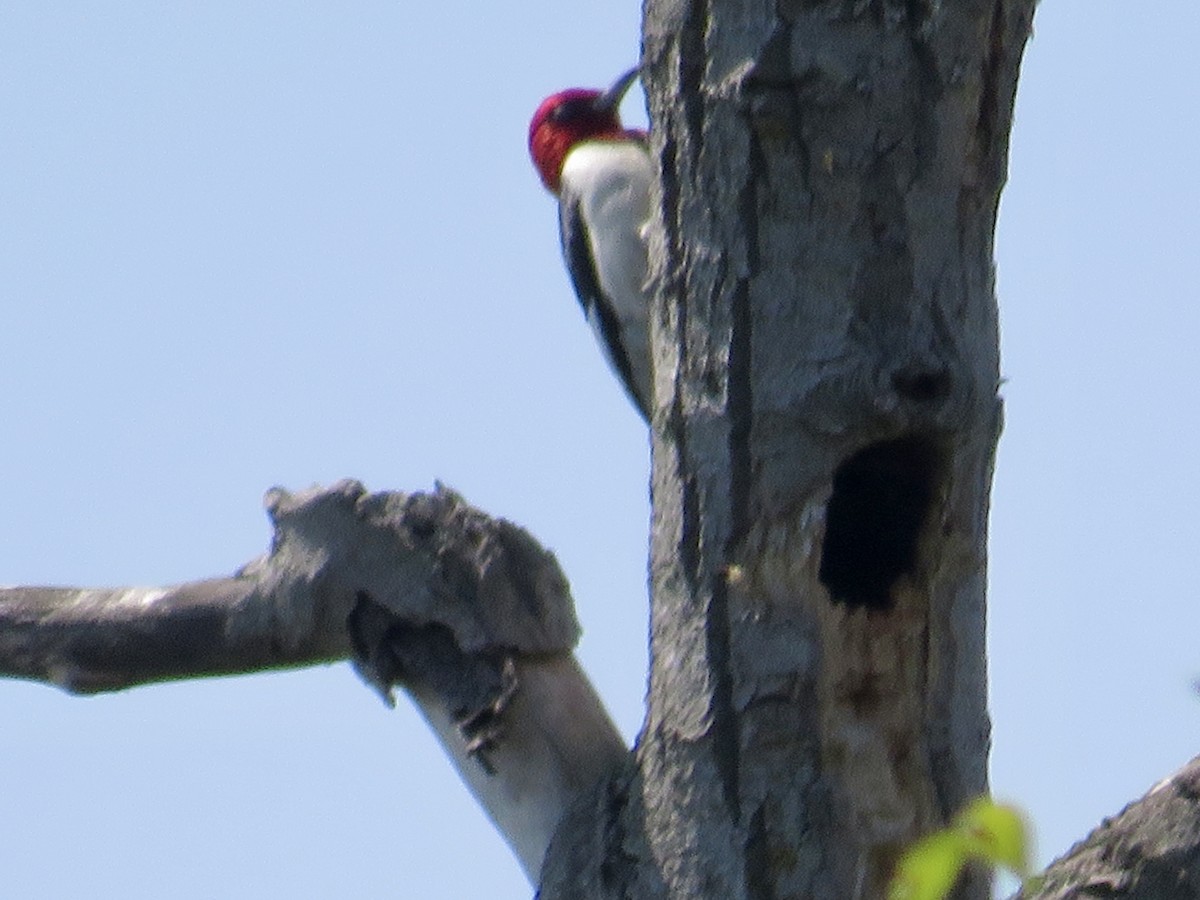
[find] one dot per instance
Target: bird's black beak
(611, 99)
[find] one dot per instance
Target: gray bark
(826, 356)
(466, 612)
(1148, 851)
(429, 559)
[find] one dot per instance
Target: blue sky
(244, 245)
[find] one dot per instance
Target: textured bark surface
(428, 559)
(826, 417)
(1148, 851)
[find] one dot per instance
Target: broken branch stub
(426, 558)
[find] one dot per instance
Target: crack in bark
(757, 859)
(989, 102)
(726, 733)
(740, 409)
(691, 75)
(618, 867)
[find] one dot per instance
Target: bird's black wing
(581, 266)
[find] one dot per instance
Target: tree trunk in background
(827, 368)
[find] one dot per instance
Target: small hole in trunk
(880, 500)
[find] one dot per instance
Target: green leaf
(929, 868)
(996, 833)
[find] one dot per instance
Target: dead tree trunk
(827, 367)
(826, 414)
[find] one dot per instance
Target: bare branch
(467, 612)
(87, 641)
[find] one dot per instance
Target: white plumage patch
(605, 205)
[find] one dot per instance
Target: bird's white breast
(611, 182)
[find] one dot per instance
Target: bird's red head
(571, 116)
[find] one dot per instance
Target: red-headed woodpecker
(601, 174)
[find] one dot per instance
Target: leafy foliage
(984, 831)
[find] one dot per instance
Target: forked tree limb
(465, 611)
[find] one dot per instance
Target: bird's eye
(568, 110)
